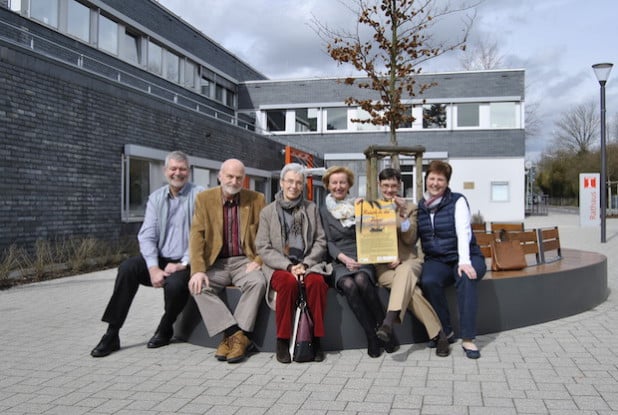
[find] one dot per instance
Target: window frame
(326, 111)
(502, 194)
(116, 42)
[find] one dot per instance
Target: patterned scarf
(342, 210)
(432, 202)
(290, 214)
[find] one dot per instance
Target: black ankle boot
(374, 348)
(283, 351)
(319, 353)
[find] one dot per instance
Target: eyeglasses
(291, 182)
(390, 186)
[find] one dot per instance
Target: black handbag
(302, 338)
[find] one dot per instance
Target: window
(337, 118)
(189, 74)
(172, 66)
(364, 115)
(499, 191)
(502, 114)
(15, 5)
(275, 120)
(108, 35)
(45, 11)
(206, 83)
(407, 124)
(155, 58)
(468, 115)
(229, 97)
(219, 93)
(78, 20)
(306, 120)
(130, 48)
(144, 176)
(434, 116)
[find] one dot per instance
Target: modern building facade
(94, 93)
(473, 120)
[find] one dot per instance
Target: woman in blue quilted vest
(452, 255)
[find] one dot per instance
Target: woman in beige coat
(291, 242)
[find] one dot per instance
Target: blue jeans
(436, 276)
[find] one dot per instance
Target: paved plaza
(568, 366)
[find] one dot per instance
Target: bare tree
(485, 54)
(392, 39)
(612, 129)
(577, 128)
(533, 120)
(481, 55)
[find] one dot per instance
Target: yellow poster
(376, 232)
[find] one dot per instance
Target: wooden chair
(479, 227)
(507, 226)
(483, 240)
(529, 241)
(549, 240)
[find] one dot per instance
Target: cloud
(555, 41)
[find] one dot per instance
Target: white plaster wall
(482, 172)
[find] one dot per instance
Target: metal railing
(23, 38)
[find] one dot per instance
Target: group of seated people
(197, 242)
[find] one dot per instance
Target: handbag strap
(302, 295)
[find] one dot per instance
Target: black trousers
(131, 274)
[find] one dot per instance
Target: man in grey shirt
(164, 257)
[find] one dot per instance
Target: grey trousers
(231, 271)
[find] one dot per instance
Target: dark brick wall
(62, 133)
(56, 44)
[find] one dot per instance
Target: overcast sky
(555, 41)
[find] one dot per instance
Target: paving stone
(563, 367)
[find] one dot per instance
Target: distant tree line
(575, 149)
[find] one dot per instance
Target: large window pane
(130, 47)
(45, 11)
(15, 5)
(306, 120)
(275, 120)
(467, 115)
(337, 118)
(434, 116)
(154, 58)
(364, 115)
(139, 186)
(205, 87)
(172, 66)
(190, 71)
(78, 20)
(229, 97)
(407, 124)
(219, 93)
(502, 115)
(108, 35)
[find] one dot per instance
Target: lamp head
(602, 70)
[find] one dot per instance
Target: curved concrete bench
(507, 300)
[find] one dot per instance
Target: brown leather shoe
(239, 346)
(223, 349)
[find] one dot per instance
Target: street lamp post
(602, 70)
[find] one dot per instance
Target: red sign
(590, 182)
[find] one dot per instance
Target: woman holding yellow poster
(355, 281)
